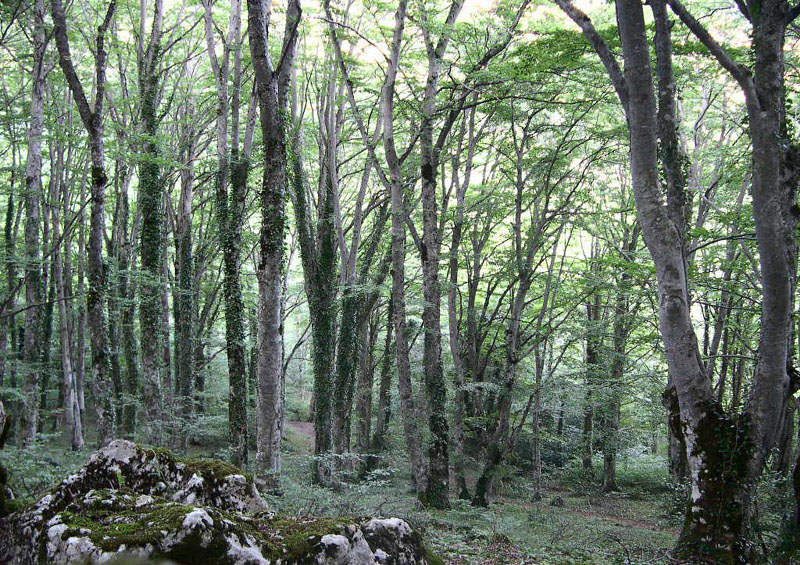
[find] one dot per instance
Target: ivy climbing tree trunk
(151, 203)
(272, 88)
(232, 169)
(378, 442)
(184, 302)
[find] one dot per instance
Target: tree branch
(739, 72)
(601, 48)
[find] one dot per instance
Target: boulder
(146, 504)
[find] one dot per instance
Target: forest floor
(571, 523)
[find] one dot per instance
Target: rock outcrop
(140, 503)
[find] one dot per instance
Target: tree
(151, 203)
(232, 170)
(710, 435)
(92, 118)
(272, 88)
(32, 348)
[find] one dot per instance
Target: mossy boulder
(147, 504)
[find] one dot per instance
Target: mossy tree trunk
(151, 203)
(716, 525)
(232, 170)
(384, 415)
(185, 294)
(272, 88)
(318, 256)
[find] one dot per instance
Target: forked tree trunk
(92, 117)
(272, 90)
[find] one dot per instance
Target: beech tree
(92, 118)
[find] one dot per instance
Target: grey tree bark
(272, 88)
(92, 118)
(32, 347)
(232, 169)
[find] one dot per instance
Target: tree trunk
(365, 382)
(72, 413)
(419, 468)
(230, 216)
(33, 345)
(92, 117)
(151, 204)
(385, 387)
(272, 90)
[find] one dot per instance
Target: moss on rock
(147, 504)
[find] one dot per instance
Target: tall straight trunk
(72, 413)
(92, 117)
(151, 204)
(419, 467)
(612, 404)
(80, 341)
(32, 349)
(350, 334)
(8, 259)
(435, 386)
(184, 296)
(232, 169)
(456, 339)
(593, 373)
(272, 89)
(129, 343)
(385, 387)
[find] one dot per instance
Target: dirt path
(305, 429)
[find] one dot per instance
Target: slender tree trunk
(33, 345)
(72, 414)
(419, 468)
(184, 305)
(232, 169)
